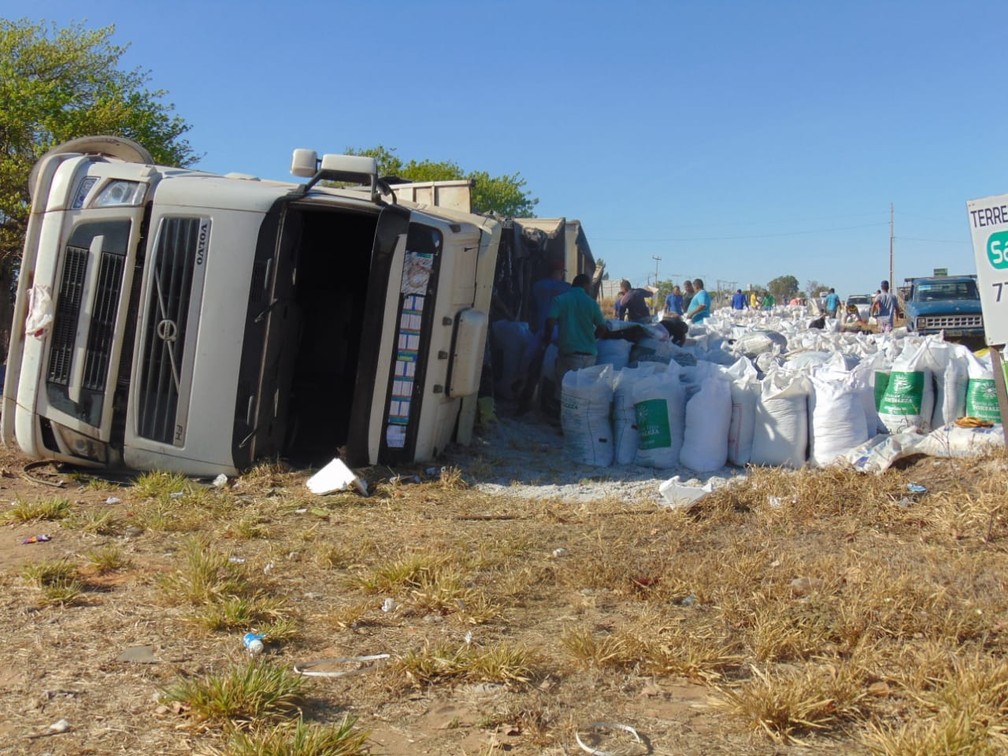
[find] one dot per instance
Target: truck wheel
(111, 146)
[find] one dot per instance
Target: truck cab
(944, 304)
(180, 320)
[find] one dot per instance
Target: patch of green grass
(258, 690)
(206, 576)
(239, 612)
(97, 522)
(161, 485)
(34, 511)
(499, 663)
(108, 558)
(299, 739)
(58, 580)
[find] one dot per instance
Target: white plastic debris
(388, 605)
(220, 481)
(677, 494)
(335, 476)
(40, 311)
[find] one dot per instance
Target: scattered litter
(335, 476)
(916, 488)
(599, 729)
(113, 500)
(802, 586)
(557, 553)
(236, 560)
(220, 481)
(401, 479)
(176, 495)
(268, 568)
(468, 638)
(55, 728)
(774, 502)
(253, 642)
(677, 494)
(302, 510)
(688, 601)
(138, 655)
(433, 472)
(388, 605)
(41, 538)
(362, 663)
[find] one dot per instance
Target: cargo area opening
(332, 265)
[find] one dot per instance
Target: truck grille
(164, 338)
(937, 322)
(102, 326)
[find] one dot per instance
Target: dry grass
(853, 616)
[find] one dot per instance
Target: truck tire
(111, 146)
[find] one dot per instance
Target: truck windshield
(932, 292)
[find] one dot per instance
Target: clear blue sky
(734, 140)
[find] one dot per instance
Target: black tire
(112, 146)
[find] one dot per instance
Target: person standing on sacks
(580, 321)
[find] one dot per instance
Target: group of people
(569, 314)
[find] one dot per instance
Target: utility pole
(656, 261)
(892, 275)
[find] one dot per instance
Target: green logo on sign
(997, 249)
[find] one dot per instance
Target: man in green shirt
(580, 322)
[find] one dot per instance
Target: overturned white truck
(179, 320)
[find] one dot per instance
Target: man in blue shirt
(543, 292)
(700, 305)
(580, 322)
(738, 300)
(674, 302)
(832, 303)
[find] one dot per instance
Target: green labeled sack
(653, 424)
(904, 393)
(881, 381)
(981, 399)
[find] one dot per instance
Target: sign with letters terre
(988, 220)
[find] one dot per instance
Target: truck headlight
(120, 193)
(81, 445)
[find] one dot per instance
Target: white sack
(660, 410)
(744, 392)
(981, 394)
(624, 413)
(908, 400)
(708, 417)
(615, 352)
(836, 417)
(780, 435)
(585, 406)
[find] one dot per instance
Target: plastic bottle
(253, 642)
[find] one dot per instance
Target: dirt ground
(533, 572)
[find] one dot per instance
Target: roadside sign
(989, 227)
(988, 219)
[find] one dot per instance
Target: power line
(751, 236)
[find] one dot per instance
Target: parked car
(949, 304)
(858, 307)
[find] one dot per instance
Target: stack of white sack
(764, 389)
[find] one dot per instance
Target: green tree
(816, 288)
(783, 288)
(57, 84)
(505, 196)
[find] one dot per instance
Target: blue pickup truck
(949, 304)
